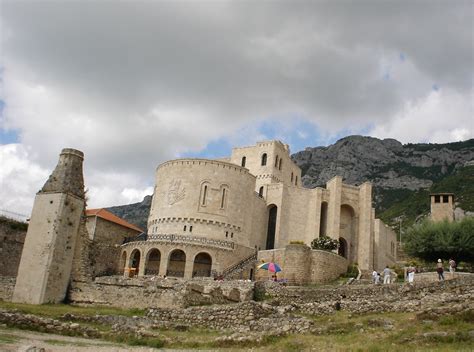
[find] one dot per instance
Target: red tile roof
(107, 215)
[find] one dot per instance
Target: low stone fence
(457, 294)
(247, 316)
(7, 285)
(302, 265)
(148, 292)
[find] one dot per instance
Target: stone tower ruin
(442, 207)
(47, 258)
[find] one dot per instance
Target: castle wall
(47, 257)
(107, 237)
(385, 245)
(442, 207)
(301, 265)
(223, 255)
(12, 239)
(212, 199)
(46, 262)
(272, 172)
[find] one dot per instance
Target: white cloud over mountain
(133, 84)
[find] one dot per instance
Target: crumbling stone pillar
(47, 258)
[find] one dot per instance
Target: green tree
(430, 241)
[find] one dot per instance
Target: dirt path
(13, 340)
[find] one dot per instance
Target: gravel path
(13, 340)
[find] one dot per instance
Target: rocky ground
(436, 313)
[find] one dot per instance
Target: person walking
(452, 267)
(386, 275)
(440, 270)
(374, 277)
(411, 274)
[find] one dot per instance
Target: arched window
(260, 192)
(204, 195)
(244, 160)
(223, 198)
(279, 165)
(292, 177)
(264, 159)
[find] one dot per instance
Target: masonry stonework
(46, 262)
(214, 214)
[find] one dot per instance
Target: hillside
(402, 175)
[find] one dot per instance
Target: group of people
(440, 269)
(389, 277)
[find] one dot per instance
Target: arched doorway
(272, 219)
(135, 260)
(202, 265)
(323, 219)
(347, 230)
(176, 263)
(342, 251)
(152, 266)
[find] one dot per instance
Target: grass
(7, 339)
(341, 331)
(58, 310)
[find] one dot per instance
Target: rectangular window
(438, 199)
(191, 228)
(445, 199)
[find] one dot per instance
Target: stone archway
(272, 219)
(152, 266)
(176, 263)
(202, 265)
(347, 231)
(342, 251)
(135, 258)
(323, 219)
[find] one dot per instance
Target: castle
(210, 216)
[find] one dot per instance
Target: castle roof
(107, 215)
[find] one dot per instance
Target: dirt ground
(13, 340)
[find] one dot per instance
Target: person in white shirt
(386, 275)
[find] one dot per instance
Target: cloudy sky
(133, 84)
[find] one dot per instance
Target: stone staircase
(232, 271)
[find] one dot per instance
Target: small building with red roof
(107, 233)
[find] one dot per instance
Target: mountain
(136, 213)
(395, 170)
(403, 175)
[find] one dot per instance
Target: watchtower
(46, 261)
(442, 206)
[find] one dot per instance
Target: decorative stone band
(201, 241)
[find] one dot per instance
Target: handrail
(233, 268)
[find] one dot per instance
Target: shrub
(325, 243)
(432, 240)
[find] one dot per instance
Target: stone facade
(146, 292)
(442, 206)
(46, 261)
(12, 238)
(107, 233)
(228, 209)
(301, 265)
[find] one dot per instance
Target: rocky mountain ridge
(386, 163)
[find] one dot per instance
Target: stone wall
(7, 285)
(301, 265)
(154, 292)
(12, 239)
(105, 248)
